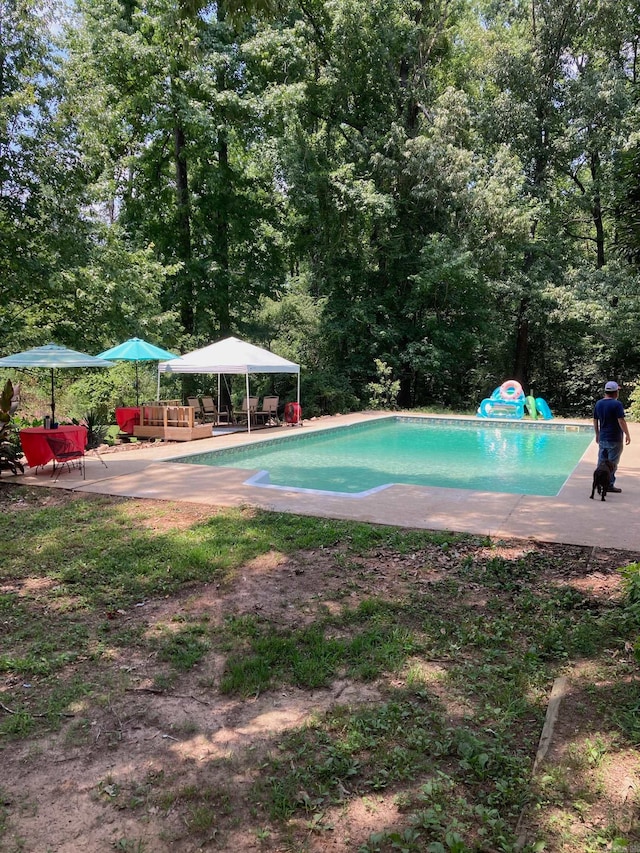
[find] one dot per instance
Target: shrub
(383, 394)
(10, 451)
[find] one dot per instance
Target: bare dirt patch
(120, 772)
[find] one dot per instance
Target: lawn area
(176, 678)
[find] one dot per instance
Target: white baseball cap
(611, 386)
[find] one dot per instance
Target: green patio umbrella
(52, 356)
(135, 349)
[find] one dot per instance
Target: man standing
(610, 426)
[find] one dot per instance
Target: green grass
(184, 649)
(96, 563)
(461, 662)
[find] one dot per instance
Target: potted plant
(95, 421)
(10, 451)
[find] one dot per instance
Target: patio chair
(209, 410)
(248, 409)
(268, 414)
(66, 454)
(195, 403)
(211, 413)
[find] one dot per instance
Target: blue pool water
(352, 460)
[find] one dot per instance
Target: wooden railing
(171, 423)
(179, 416)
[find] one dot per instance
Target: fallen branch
(156, 691)
(557, 693)
(11, 711)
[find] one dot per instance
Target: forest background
(449, 188)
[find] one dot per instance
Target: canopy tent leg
(248, 406)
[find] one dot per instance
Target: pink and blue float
(509, 401)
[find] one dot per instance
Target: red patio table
(127, 417)
(36, 447)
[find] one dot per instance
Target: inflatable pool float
(511, 391)
(501, 409)
(530, 403)
(543, 409)
(507, 401)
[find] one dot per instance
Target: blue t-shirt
(607, 411)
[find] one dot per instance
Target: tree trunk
(183, 222)
(596, 210)
(521, 360)
(222, 283)
(222, 296)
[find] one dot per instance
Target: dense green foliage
(446, 187)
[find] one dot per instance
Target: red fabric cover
(127, 417)
(36, 447)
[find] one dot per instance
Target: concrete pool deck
(570, 517)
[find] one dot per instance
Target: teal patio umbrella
(52, 357)
(135, 349)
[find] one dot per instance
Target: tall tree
(530, 44)
(388, 174)
(563, 105)
(41, 227)
(181, 165)
(368, 79)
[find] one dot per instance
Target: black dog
(602, 478)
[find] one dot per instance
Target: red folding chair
(66, 454)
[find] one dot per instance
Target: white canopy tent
(232, 356)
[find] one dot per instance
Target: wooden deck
(170, 423)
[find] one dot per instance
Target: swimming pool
(356, 460)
